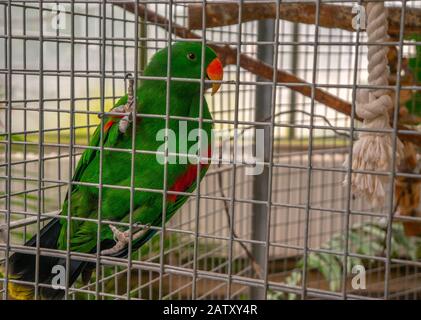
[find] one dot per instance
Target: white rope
(374, 150)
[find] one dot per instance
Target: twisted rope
(374, 150)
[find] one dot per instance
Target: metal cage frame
(238, 236)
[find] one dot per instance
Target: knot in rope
(374, 149)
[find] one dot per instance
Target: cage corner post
(266, 33)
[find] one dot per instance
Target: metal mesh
(297, 219)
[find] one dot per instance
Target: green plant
(368, 239)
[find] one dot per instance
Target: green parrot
(181, 175)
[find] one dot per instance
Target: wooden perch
(331, 16)
(228, 56)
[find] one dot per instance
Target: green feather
(116, 166)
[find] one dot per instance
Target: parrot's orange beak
(215, 71)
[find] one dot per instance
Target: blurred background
(312, 216)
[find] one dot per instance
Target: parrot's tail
(22, 268)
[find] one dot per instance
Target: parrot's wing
(172, 208)
(89, 154)
(81, 201)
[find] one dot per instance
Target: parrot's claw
(122, 238)
(124, 123)
(128, 107)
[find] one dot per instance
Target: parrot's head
(186, 62)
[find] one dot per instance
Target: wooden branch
(228, 56)
(331, 16)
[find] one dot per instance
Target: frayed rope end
(372, 152)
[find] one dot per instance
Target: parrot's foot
(127, 119)
(124, 124)
(128, 107)
(122, 238)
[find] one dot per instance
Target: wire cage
(295, 230)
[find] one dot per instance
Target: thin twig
(332, 127)
(256, 267)
(30, 220)
(24, 222)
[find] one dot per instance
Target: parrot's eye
(191, 56)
